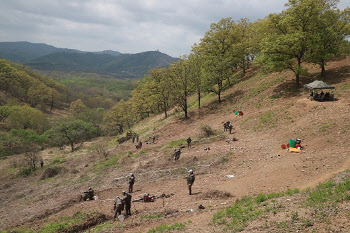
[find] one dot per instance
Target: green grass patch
(58, 160)
(139, 153)
(105, 227)
(344, 86)
(111, 162)
(24, 172)
(237, 217)
(76, 223)
(263, 86)
(329, 193)
(168, 228)
(260, 198)
(326, 126)
(64, 224)
(267, 120)
(176, 143)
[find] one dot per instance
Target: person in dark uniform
(189, 140)
(131, 182)
(190, 181)
(230, 127)
(127, 202)
(41, 163)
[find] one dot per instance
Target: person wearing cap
(91, 193)
(190, 181)
(127, 201)
(131, 182)
(118, 207)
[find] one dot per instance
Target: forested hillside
(21, 83)
(34, 108)
(49, 58)
(25, 51)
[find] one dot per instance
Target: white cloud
(127, 26)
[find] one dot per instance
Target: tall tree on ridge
(216, 51)
(288, 35)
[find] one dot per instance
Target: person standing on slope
(190, 181)
(131, 182)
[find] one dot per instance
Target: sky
(127, 26)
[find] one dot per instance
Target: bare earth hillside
(273, 113)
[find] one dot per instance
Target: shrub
(260, 198)
(168, 228)
(207, 130)
(50, 172)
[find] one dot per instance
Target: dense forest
(311, 31)
(35, 109)
(48, 58)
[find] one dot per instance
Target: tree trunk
(219, 89)
(297, 81)
(51, 106)
(165, 110)
(243, 66)
(185, 108)
(199, 98)
(323, 70)
(72, 145)
(297, 76)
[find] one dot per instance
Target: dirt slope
(272, 115)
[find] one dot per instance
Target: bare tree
(31, 159)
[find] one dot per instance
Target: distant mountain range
(46, 57)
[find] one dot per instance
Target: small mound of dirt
(50, 172)
(216, 194)
(168, 212)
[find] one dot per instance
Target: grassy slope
(272, 112)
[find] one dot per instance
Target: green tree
(142, 100)
(21, 140)
(288, 36)
(181, 83)
(330, 38)
(77, 106)
(75, 131)
(118, 117)
(161, 88)
(54, 97)
(38, 94)
(93, 116)
(5, 111)
(217, 53)
(25, 117)
(196, 73)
